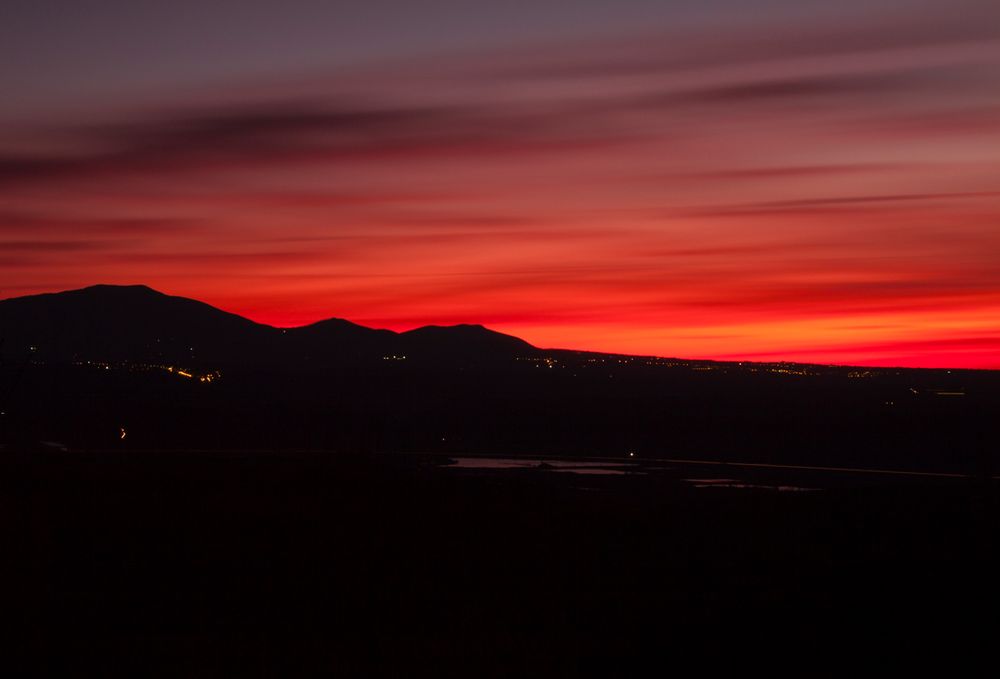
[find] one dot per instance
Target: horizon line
(696, 359)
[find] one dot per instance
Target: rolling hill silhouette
(137, 323)
(82, 367)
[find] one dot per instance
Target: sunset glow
(799, 187)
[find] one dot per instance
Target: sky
(770, 180)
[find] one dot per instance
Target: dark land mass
(279, 564)
(79, 367)
(282, 503)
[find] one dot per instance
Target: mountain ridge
(77, 324)
(84, 368)
(139, 323)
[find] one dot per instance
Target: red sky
(799, 187)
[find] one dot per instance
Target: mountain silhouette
(437, 341)
(136, 323)
(338, 386)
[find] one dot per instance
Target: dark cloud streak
(295, 135)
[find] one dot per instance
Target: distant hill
(437, 341)
(137, 323)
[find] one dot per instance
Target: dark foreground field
(225, 565)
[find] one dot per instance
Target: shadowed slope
(139, 324)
